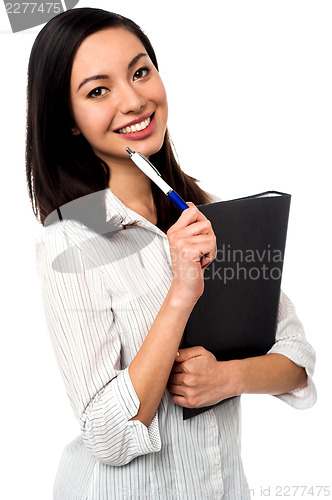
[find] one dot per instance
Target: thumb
(189, 352)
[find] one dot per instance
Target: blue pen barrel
(177, 200)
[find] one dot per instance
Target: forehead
(106, 48)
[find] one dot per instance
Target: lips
(135, 128)
(138, 129)
(135, 125)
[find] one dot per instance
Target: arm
(150, 369)
(190, 238)
(271, 374)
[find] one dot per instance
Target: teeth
(135, 128)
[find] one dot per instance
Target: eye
(141, 73)
(97, 92)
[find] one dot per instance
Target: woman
(121, 271)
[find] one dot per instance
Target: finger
(207, 259)
(197, 228)
(180, 401)
(176, 378)
(177, 368)
(188, 216)
(197, 248)
(175, 389)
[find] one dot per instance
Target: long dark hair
(60, 166)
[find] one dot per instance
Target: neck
(133, 188)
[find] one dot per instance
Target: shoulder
(61, 242)
(61, 232)
(69, 246)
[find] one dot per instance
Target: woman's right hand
(193, 247)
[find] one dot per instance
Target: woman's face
(118, 99)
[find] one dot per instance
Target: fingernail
(178, 354)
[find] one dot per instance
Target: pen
(150, 170)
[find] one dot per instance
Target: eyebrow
(105, 77)
(134, 61)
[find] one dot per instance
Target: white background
(249, 89)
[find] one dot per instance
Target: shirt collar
(115, 207)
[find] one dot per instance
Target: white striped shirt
(100, 301)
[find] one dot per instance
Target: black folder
(236, 316)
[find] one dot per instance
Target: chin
(147, 149)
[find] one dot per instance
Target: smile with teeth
(135, 128)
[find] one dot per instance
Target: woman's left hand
(198, 379)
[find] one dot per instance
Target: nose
(130, 100)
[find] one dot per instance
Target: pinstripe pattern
(98, 316)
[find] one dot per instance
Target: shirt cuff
(300, 399)
(148, 438)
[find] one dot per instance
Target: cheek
(89, 119)
(158, 93)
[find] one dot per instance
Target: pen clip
(154, 168)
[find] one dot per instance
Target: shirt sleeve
(87, 344)
(291, 342)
